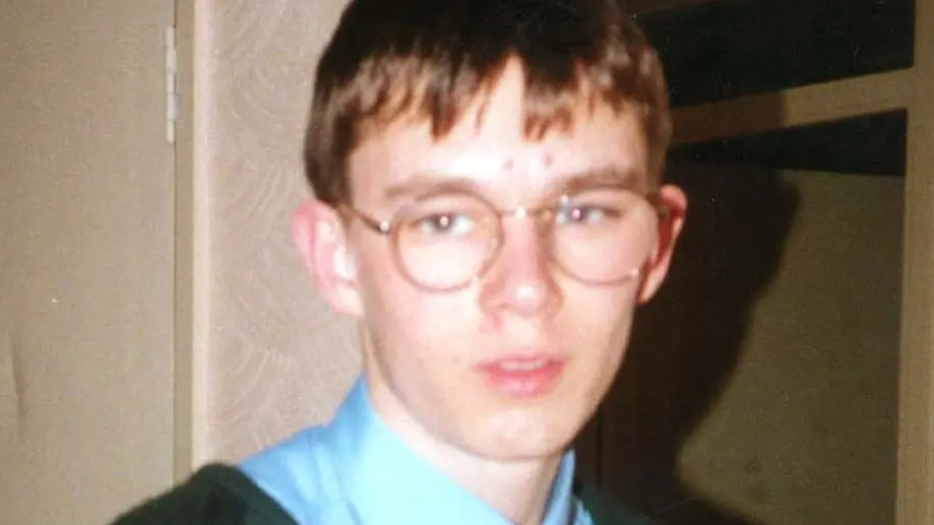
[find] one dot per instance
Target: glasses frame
(540, 214)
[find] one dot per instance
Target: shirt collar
(388, 483)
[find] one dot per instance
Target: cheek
(601, 320)
(405, 319)
(601, 307)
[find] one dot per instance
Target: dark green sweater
(223, 495)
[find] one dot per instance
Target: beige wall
(86, 233)
(275, 357)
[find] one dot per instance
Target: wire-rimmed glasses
(444, 241)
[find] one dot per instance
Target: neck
(519, 490)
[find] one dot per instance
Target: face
(512, 365)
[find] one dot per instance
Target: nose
(520, 281)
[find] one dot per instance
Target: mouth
(522, 377)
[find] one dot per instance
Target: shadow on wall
(687, 341)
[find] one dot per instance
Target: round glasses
(445, 241)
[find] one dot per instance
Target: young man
(489, 206)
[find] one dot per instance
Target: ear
(319, 234)
(674, 201)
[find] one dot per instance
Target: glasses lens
(445, 241)
(604, 235)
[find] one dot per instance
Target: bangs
(433, 60)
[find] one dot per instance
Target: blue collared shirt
(355, 471)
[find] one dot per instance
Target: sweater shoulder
(215, 495)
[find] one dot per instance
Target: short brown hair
(431, 58)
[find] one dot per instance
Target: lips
(522, 377)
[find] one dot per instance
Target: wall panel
(275, 357)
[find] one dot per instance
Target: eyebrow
(606, 176)
(422, 184)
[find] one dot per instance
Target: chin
(523, 437)
(524, 452)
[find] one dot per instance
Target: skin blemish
(534, 163)
(546, 161)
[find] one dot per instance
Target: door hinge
(171, 84)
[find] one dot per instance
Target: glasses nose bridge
(541, 215)
(542, 220)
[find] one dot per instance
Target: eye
(452, 224)
(574, 213)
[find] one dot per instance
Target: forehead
(490, 148)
